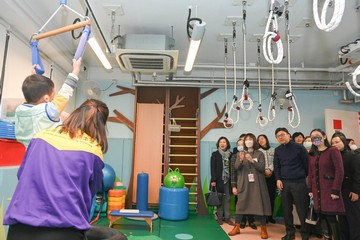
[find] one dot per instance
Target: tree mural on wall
(120, 118)
(215, 122)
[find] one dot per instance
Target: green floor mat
(199, 227)
(195, 227)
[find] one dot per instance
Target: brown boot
(236, 230)
(263, 233)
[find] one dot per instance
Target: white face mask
(307, 145)
(353, 147)
(240, 148)
(249, 143)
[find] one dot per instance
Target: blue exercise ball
(109, 177)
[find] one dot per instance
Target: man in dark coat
(290, 168)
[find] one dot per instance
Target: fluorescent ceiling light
(99, 53)
(196, 37)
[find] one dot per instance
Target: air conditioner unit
(148, 54)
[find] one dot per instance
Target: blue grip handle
(82, 43)
(36, 57)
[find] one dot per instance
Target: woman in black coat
(220, 178)
(350, 188)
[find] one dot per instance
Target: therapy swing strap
(36, 59)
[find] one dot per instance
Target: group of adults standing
(302, 170)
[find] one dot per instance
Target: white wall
(18, 67)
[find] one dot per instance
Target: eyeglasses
(280, 135)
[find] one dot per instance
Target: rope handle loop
(245, 97)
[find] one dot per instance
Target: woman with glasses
(325, 177)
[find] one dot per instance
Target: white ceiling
(312, 48)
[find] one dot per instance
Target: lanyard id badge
(251, 177)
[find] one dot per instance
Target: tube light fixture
(196, 37)
(99, 52)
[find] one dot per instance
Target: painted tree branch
(207, 93)
(124, 90)
(121, 119)
(214, 123)
(177, 102)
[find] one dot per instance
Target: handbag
(213, 198)
(311, 217)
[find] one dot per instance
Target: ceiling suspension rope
(339, 6)
(228, 122)
(272, 34)
(354, 76)
(245, 98)
(234, 105)
(293, 108)
(262, 121)
(271, 110)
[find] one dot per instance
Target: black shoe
(220, 221)
(253, 225)
(271, 219)
(288, 237)
(242, 224)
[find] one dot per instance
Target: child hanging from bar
(42, 108)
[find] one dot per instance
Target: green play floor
(195, 227)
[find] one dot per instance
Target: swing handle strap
(36, 60)
(83, 42)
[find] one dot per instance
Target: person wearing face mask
(245, 218)
(352, 145)
(307, 143)
(350, 188)
(325, 177)
(290, 169)
(313, 229)
(268, 151)
(239, 147)
(251, 189)
(220, 178)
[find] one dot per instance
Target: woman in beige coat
(251, 189)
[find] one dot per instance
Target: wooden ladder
(182, 150)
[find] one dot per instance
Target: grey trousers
(223, 211)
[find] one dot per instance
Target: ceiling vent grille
(147, 54)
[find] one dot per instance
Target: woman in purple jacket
(326, 173)
(60, 174)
